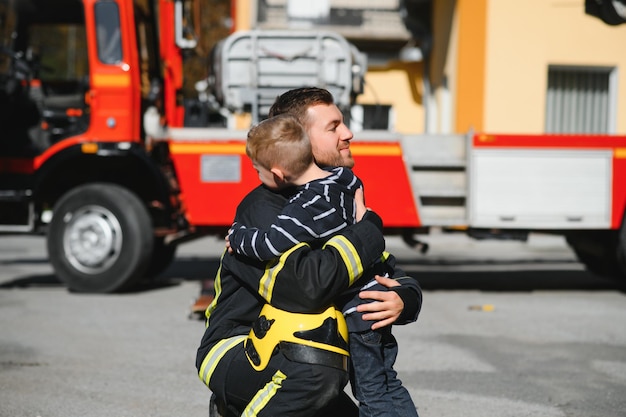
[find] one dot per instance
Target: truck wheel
(100, 238)
(598, 251)
(162, 257)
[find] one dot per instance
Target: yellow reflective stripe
(385, 256)
(349, 255)
(111, 80)
(266, 284)
(217, 288)
(264, 395)
(376, 150)
(215, 355)
(208, 148)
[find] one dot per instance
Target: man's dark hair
(298, 101)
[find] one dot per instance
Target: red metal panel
(211, 203)
(387, 188)
(380, 166)
(549, 141)
(14, 165)
(112, 95)
(619, 188)
(61, 145)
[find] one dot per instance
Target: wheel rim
(92, 239)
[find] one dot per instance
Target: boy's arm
(265, 244)
(292, 226)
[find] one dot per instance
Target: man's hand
(386, 307)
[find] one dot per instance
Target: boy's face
(330, 137)
(266, 176)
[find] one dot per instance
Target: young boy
(323, 203)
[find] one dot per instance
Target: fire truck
(100, 151)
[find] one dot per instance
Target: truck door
(114, 94)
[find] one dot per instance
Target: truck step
(16, 211)
(15, 195)
(437, 167)
(443, 215)
(435, 152)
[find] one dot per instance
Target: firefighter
(249, 356)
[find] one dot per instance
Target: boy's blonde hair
(281, 142)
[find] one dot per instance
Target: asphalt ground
(507, 329)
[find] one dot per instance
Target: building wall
(489, 64)
(244, 11)
(400, 85)
(469, 92)
(523, 39)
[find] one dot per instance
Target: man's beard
(335, 159)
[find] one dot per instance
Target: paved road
(553, 344)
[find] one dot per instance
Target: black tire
(100, 239)
(621, 250)
(162, 257)
(598, 251)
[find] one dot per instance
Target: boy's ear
(279, 176)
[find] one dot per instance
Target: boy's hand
(359, 200)
(228, 248)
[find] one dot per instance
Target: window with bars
(580, 100)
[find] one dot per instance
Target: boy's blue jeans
(372, 377)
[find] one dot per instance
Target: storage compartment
(549, 189)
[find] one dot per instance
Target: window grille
(580, 100)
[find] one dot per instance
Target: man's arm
(401, 305)
(305, 279)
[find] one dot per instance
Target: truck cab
(77, 80)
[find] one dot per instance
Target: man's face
(330, 137)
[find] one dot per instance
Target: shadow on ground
(509, 276)
(182, 269)
(516, 281)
